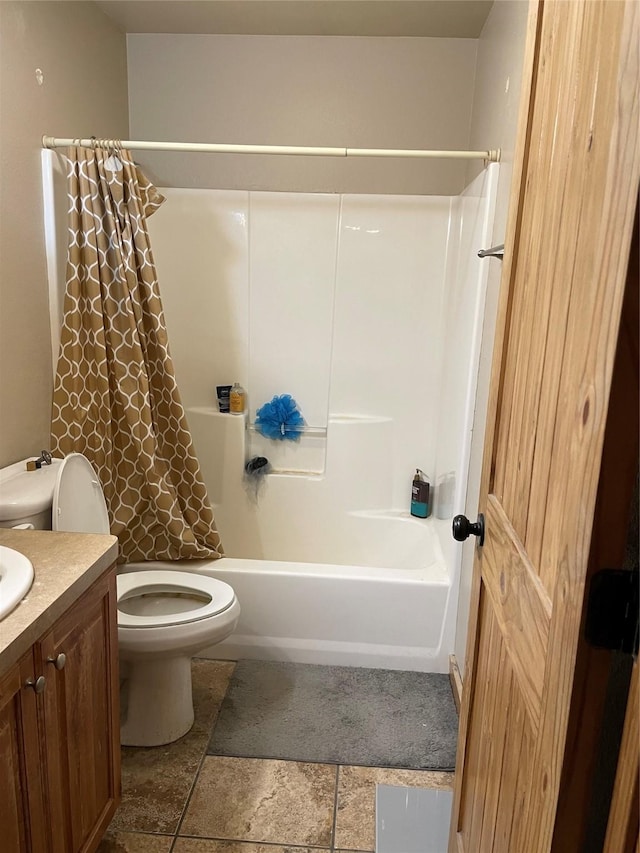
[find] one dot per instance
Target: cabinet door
(22, 818)
(82, 719)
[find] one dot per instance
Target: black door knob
(462, 528)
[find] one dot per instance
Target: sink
(16, 577)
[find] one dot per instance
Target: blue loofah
(280, 419)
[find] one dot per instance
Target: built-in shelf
(303, 455)
(298, 472)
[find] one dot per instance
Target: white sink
(16, 577)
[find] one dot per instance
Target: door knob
(38, 684)
(58, 661)
(462, 528)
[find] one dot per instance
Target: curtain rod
(219, 148)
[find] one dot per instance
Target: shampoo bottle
(420, 495)
(237, 399)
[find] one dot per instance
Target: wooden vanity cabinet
(23, 825)
(64, 741)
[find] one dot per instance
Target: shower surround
(368, 311)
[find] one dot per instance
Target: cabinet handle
(58, 661)
(38, 684)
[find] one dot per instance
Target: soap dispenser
(420, 495)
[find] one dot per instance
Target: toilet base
(160, 701)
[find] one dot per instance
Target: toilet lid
(215, 596)
(78, 501)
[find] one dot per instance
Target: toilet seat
(135, 584)
(78, 501)
(79, 507)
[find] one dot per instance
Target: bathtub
(387, 610)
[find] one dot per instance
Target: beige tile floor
(177, 799)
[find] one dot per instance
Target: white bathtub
(390, 613)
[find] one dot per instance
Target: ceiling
(435, 18)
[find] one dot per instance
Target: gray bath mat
(337, 714)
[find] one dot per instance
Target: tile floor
(177, 799)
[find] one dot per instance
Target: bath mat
(338, 715)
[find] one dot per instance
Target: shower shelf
(302, 454)
(296, 472)
(213, 411)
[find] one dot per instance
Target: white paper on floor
(412, 820)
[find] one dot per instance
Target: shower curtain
(115, 394)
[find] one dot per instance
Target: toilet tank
(26, 496)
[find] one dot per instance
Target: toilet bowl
(164, 617)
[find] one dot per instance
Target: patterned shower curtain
(115, 394)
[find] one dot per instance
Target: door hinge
(612, 610)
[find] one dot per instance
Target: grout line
(277, 844)
(330, 762)
(188, 800)
(191, 789)
(198, 769)
(159, 832)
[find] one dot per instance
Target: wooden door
(82, 719)
(573, 199)
(23, 827)
(623, 830)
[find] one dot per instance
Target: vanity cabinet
(23, 825)
(59, 732)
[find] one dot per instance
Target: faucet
(43, 459)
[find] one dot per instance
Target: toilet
(165, 616)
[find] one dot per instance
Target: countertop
(65, 565)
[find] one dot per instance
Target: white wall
(465, 299)
(388, 329)
(83, 59)
(303, 90)
(293, 247)
(200, 244)
(336, 300)
(495, 115)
